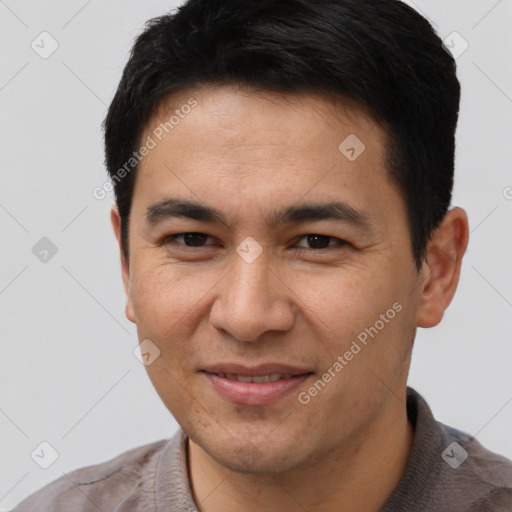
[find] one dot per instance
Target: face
(259, 246)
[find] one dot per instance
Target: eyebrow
(305, 212)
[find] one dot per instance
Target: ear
(115, 218)
(441, 267)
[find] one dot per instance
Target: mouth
(260, 385)
(273, 377)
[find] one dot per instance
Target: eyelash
(171, 240)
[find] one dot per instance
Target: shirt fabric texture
(154, 477)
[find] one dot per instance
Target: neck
(359, 476)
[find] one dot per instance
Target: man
(283, 174)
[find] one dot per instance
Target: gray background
(68, 375)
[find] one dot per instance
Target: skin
(247, 153)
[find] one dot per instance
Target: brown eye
(316, 241)
(187, 239)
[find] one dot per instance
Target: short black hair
(381, 54)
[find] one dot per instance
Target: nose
(252, 299)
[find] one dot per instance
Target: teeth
(263, 378)
(258, 378)
(239, 378)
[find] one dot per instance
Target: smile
(254, 390)
(257, 378)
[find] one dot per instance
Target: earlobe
(129, 312)
(441, 269)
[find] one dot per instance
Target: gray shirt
(448, 471)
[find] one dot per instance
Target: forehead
(237, 145)
(232, 121)
(226, 107)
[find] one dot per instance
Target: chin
(241, 455)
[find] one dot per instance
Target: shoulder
(449, 470)
(484, 464)
(478, 471)
(101, 486)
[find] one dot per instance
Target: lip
(253, 371)
(255, 393)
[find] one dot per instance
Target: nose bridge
(251, 301)
(249, 286)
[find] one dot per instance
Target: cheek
(360, 316)
(165, 294)
(343, 300)
(170, 303)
